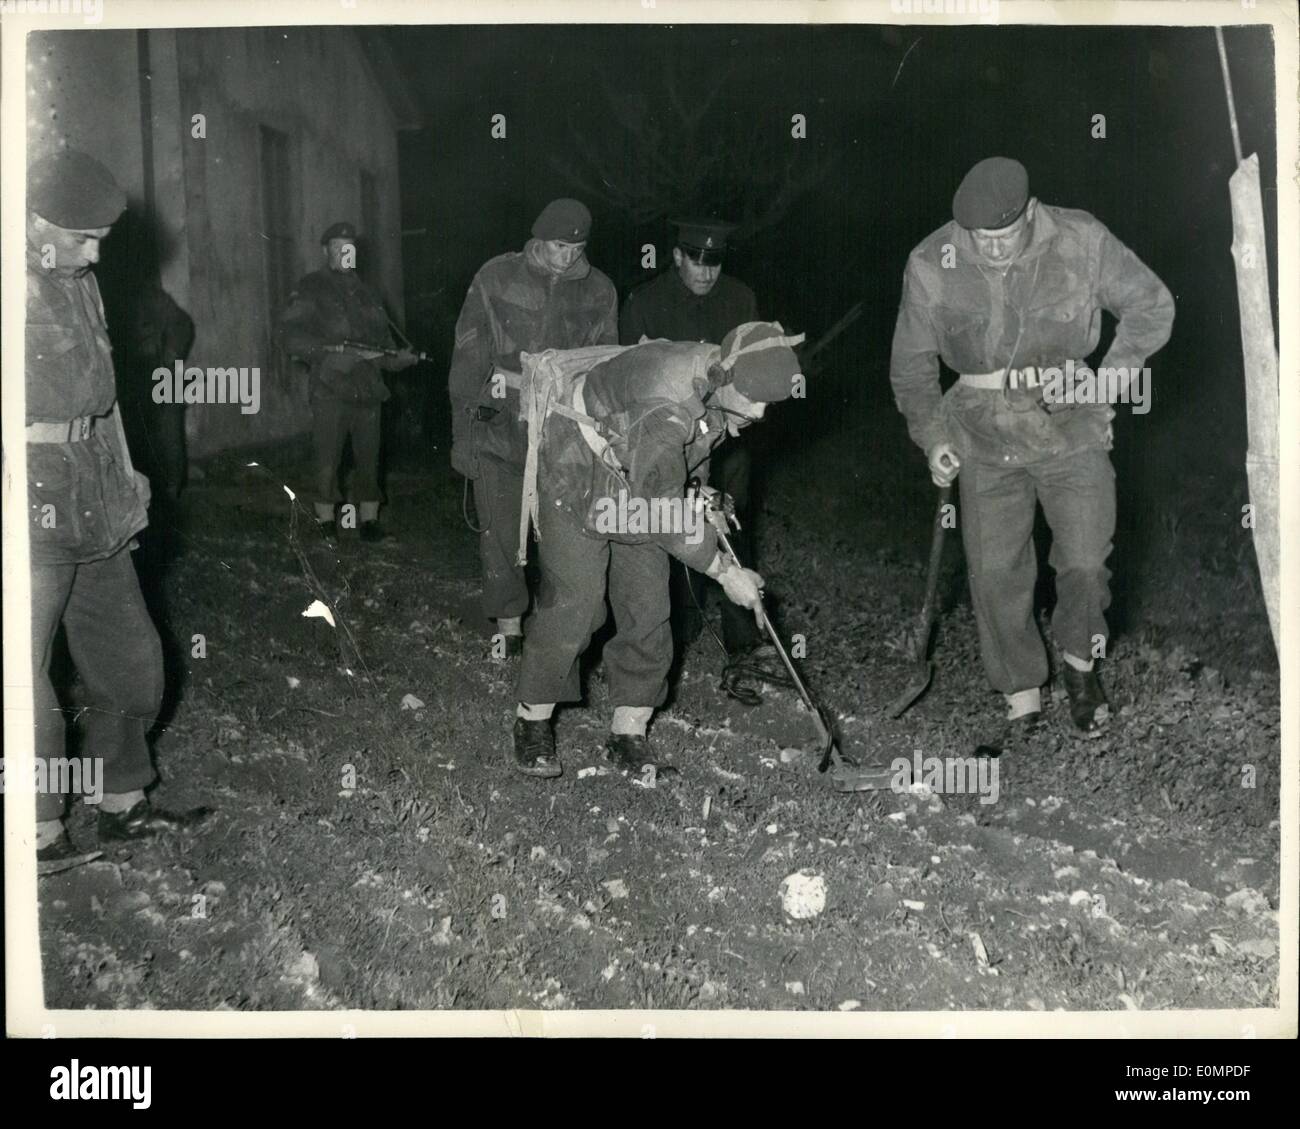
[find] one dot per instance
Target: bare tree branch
(677, 149)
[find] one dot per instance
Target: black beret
(992, 194)
(340, 230)
(73, 190)
(563, 220)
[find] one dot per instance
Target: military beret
(340, 230)
(704, 240)
(992, 194)
(761, 360)
(73, 190)
(563, 220)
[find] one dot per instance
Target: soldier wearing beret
(695, 301)
(658, 409)
(547, 296)
(331, 306)
(1007, 293)
(86, 505)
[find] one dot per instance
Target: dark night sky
(900, 140)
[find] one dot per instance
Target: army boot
(534, 748)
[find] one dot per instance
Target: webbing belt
(1028, 377)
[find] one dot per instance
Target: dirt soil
(372, 848)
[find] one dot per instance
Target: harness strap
(539, 396)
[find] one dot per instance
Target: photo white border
(26, 1015)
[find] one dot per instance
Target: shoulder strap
(546, 382)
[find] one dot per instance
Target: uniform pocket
(48, 344)
(123, 505)
(52, 498)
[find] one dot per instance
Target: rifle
(807, 353)
(349, 346)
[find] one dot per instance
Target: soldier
(658, 409)
(1008, 293)
(87, 504)
(695, 301)
(547, 296)
(330, 306)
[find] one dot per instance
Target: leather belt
(1030, 376)
(64, 431)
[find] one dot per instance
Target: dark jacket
(652, 397)
(1046, 309)
(327, 308)
(85, 501)
(664, 307)
(515, 305)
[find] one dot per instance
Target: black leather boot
(535, 748)
(629, 752)
(144, 821)
(62, 855)
(1088, 707)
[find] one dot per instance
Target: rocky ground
(373, 850)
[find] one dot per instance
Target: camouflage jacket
(514, 305)
(1043, 310)
(651, 398)
(85, 501)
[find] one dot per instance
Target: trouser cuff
(631, 720)
(1024, 702)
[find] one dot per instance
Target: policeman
(547, 296)
(655, 409)
(1009, 294)
(86, 504)
(332, 306)
(695, 301)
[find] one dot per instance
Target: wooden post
(1259, 354)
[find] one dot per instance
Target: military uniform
(514, 304)
(86, 504)
(657, 407)
(665, 308)
(653, 397)
(347, 391)
(998, 328)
